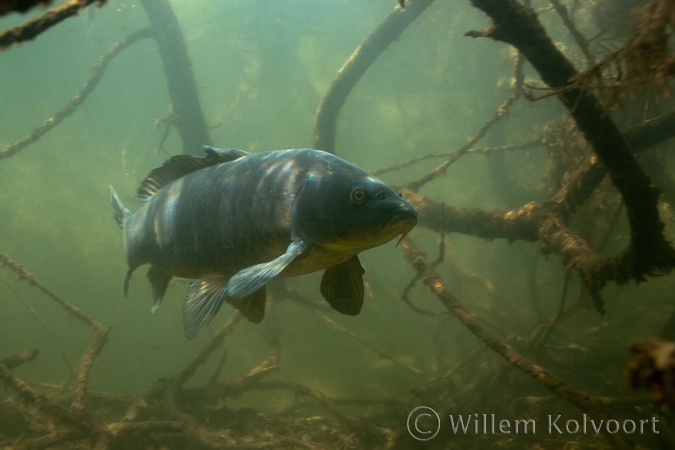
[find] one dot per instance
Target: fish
(231, 221)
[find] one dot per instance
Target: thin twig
(359, 425)
(456, 369)
(472, 151)
(538, 374)
(569, 23)
(368, 344)
(99, 331)
(201, 357)
(43, 323)
(168, 392)
(357, 64)
(219, 368)
(411, 284)
(22, 274)
(97, 72)
(440, 170)
(542, 337)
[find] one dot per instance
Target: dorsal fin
(180, 165)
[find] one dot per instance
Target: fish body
(232, 221)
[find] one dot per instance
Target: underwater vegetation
(530, 307)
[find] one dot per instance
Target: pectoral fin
(247, 281)
(253, 306)
(204, 298)
(342, 286)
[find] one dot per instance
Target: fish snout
(404, 217)
(408, 210)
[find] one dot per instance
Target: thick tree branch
(20, 5)
(648, 252)
(186, 109)
(33, 28)
(363, 57)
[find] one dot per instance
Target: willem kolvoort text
(489, 424)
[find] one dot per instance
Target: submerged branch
(20, 5)
(43, 323)
(639, 137)
(519, 223)
(548, 222)
(33, 28)
(648, 253)
(23, 274)
(364, 56)
(46, 406)
(251, 383)
(472, 151)
(651, 132)
(201, 357)
(186, 109)
(569, 23)
(99, 331)
(14, 361)
(593, 405)
(440, 170)
(652, 367)
(97, 72)
(86, 362)
(168, 391)
(367, 344)
(513, 225)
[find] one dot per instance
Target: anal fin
(203, 300)
(252, 306)
(159, 281)
(342, 286)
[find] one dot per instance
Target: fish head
(347, 209)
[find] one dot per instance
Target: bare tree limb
(593, 405)
(97, 72)
(33, 28)
(358, 63)
(648, 252)
(186, 109)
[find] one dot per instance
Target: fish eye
(358, 195)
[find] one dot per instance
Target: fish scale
(246, 249)
(232, 221)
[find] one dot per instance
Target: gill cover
(324, 212)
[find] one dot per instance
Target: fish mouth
(404, 219)
(400, 224)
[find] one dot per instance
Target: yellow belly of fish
(314, 261)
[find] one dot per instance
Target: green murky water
(261, 69)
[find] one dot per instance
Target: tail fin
(120, 213)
